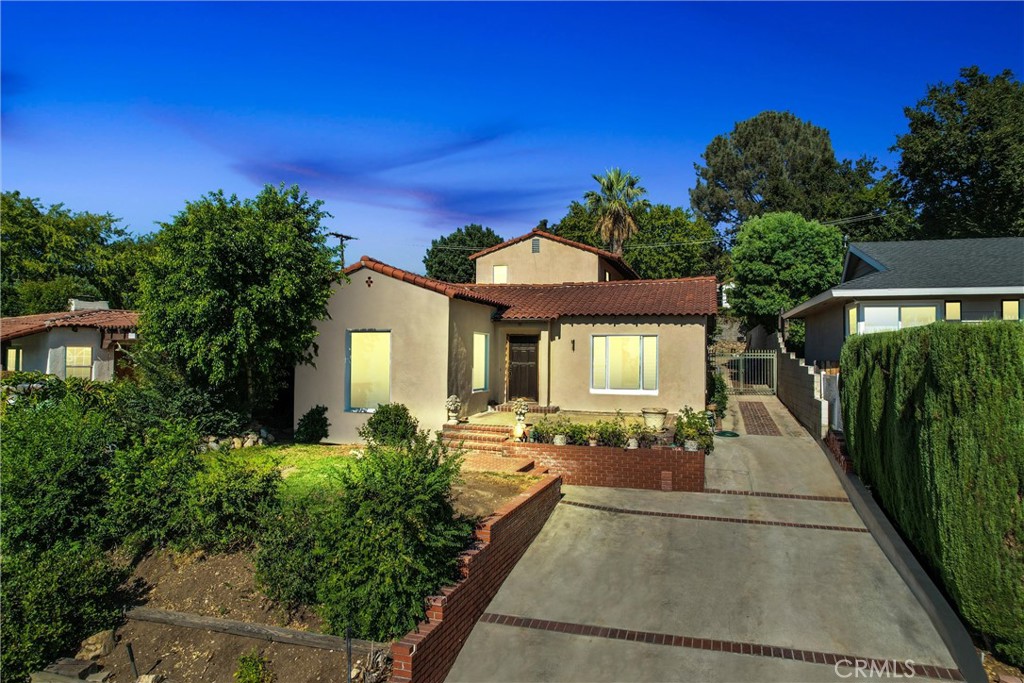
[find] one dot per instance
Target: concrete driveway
(773, 579)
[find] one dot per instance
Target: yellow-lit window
(369, 370)
(953, 311)
(13, 359)
(1011, 309)
(481, 361)
(500, 275)
(851, 320)
(915, 316)
(78, 362)
(624, 363)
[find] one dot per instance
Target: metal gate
(750, 372)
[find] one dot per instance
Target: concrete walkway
(775, 580)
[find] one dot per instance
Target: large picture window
(624, 363)
(78, 362)
(369, 370)
(888, 317)
(481, 361)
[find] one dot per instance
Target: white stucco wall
(45, 351)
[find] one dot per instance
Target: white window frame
(938, 304)
(487, 363)
(348, 368)
(92, 360)
(607, 367)
(494, 268)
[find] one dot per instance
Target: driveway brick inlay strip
(756, 419)
(768, 494)
(906, 668)
(713, 518)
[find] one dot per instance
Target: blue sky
(410, 120)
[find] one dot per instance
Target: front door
(522, 367)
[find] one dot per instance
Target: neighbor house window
(624, 363)
(369, 370)
(851, 320)
(884, 318)
(953, 311)
(78, 362)
(1011, 309)
(915, 316)
(500, 275)
(481, 361)
(880, 319)
(13, 360)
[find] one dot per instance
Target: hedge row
(934, 420)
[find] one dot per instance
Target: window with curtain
(953, 311)
(915, 316)
(887, 317)
(851, 320)
(499, 275)
(481, 361)
(880, 318)
(78, 362)
(369, 370)
(1011, 309)
(13, 360)
(627, 363)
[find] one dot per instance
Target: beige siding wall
(824, 335)
(418, 321)
(465, 320)
(553, 264)
(682, 364)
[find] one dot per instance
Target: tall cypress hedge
(934, 420)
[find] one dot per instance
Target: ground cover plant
(933, 423)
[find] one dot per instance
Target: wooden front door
(522, 367)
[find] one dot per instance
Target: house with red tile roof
(566, 325)
(87, 341)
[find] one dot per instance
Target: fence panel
(750, 372)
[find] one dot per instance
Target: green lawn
(304, 466)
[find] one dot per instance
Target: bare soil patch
(481, 493)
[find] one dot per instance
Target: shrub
(721, 393)
(51, 600)
(254, 668)
(692, 425)
(313, 426)
(612, 433)
(228, 501)
(399, 539)
(149, 484)
(53, 458)
(390, 425)
(933, 422)
(291, 549)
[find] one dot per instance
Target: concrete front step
(469, 445)
(471, 427)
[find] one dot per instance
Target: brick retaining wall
(658, 469)
(427, 653)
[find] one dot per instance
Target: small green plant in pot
(638, 434)
(694, 431)
(593, 434)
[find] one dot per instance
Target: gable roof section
(686, 296)
(612, 258)
(104, 319)
(925, 264)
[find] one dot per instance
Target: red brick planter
(427, 653)
(658, 469)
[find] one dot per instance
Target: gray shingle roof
(989, 262)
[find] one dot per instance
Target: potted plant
(561, 429)
(454, 405)
(694, 430)
(637, 433)
(520, 407)
(592, 435)
(654, 418)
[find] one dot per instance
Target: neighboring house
(393, 336)
(84, 342)
(539, 257)
(895, 285)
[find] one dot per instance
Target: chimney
(83, 305)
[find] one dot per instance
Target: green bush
(313, 426)
(291, 549)
(612, 433)
(51, 600)
(721, 393)
(254, 668)
(693, 425)
(401, 539)
(228, 501)
(934, 421)
(390, 425)
(53, 458)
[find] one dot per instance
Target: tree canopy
(448, 256)
(617, 204)
(53, 254)
(962, 158)
(233, 289)
(780, 260)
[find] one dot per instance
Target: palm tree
(617, 205)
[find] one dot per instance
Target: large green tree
(233, 288)
(448, 256)
(962, 159)
(779, 260)
(617, 203)
(50, 254)
(777, 162)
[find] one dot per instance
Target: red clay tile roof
(104, 319)
(686, 296)
(615, 259)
